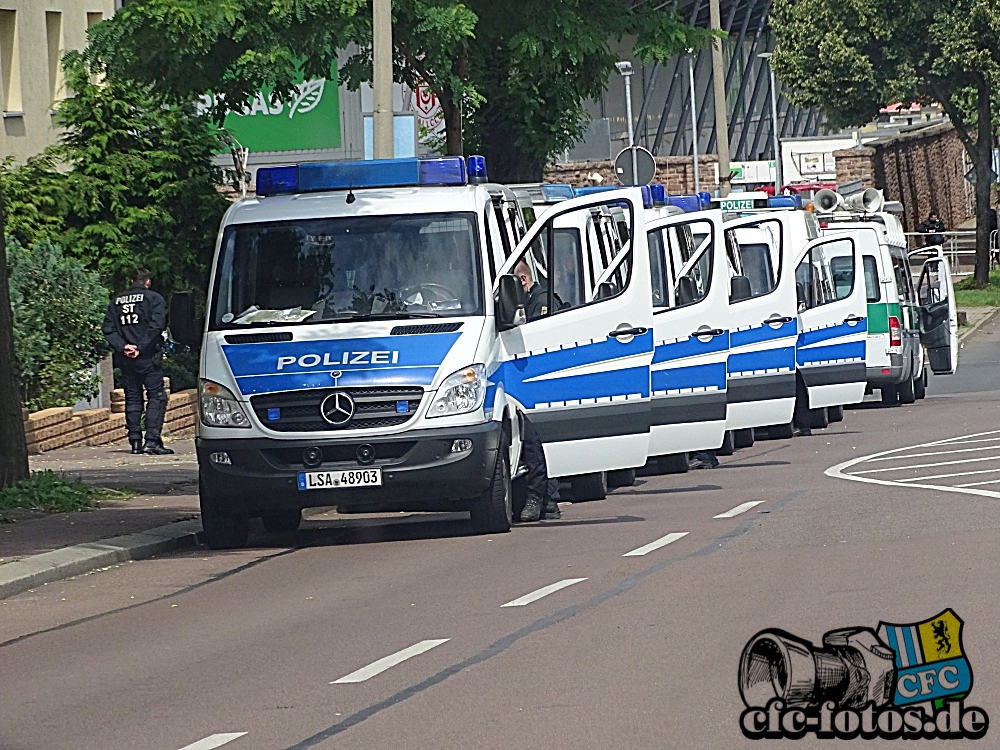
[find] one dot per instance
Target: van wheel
(920, 386)
(819, 418)
(728, 445)
(675, 463)
(222, 529)
(589, 487)
(780, 431)
(493, 511)
(835, 413)
(907, 391)
(621, 478)
(890, 396)
(282, 522)
(743, 438)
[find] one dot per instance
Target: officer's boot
(552, 509)
(532, 509)
(136, 447)
(157, 448)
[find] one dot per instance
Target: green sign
(736, 204)
(309, 120)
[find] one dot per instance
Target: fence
(959, 246)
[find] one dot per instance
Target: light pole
(382, 142)
(694, 122)
(719, 86)
(625, 68)
(766, 56)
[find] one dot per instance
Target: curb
(968, 332)
(20, 576)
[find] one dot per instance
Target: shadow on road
(670, 490)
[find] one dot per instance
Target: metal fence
(959, 245)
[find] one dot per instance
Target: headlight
(219, 407)
(460, 392)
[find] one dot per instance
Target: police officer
(133, 326)
(543, 492)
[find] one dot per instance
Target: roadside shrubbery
(51, 492)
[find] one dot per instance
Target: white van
(365, 346)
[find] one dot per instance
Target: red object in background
(800, 187)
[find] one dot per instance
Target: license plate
(332, 480)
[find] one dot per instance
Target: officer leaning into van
(543, 492)
(133, 326)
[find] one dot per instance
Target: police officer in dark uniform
(543, 492)
(133, 326)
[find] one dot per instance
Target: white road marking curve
(840, 470)
(213, 741)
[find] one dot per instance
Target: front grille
(299, 411)
(344, 453)
(258, 338)
(412, 330)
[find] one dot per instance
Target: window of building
(10, 64)
(55, 47)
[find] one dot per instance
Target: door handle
(638, 331)
(708, 332)
(776, 320)
(853, 319)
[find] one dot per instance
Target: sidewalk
(976, 317)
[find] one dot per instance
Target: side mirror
(739, 289)
(185, 328)
(687, 290)
(606, 290)
(509, 300)
(800, 292)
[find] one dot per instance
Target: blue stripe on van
(695, 376)
(808, 338)
(253, 384)
(596, 385)
(768, 359)
(762, 333)
(849, 350)
(690, 347)
(546, 363)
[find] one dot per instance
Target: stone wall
(675, 172)
(62, 427)
(922, 169)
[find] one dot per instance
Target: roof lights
(659, 194)
(345, 175)
(477, 170)
(687, 203)
(785, 201)
(647, 196)
(553, 192)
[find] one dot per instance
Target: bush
(48, 491)
(180, 364)
(58, 307)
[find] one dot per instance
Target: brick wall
(675, 172)
(922, 169)
(63, 428)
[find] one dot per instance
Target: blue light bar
(345, 175)
(557, 192)
(659, 194)
(785, 201)
(687, 203)
(706, 198)
(477, 169)
(591, 189)
(647, 196)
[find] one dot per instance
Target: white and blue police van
(365, 345)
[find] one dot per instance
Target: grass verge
(50, 492)
(967, 295)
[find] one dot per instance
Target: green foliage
(181, 366)
(58, 307)
(51, 492)
(131, 184)
(967, 294)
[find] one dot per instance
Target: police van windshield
(351, 268)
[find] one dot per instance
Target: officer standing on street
(133, 326)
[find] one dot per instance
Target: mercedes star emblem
(337, 408)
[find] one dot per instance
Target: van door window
(687, 260)
(904, 280)
(752, 254)
(873, 289)
(825, 274)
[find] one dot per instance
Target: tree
(13, 447)
(850, 58)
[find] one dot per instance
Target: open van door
(690, 294)
(578, 366)
(938, 316)
(833, 307)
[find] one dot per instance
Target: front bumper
(419, 471)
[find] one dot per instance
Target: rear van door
(938, 316)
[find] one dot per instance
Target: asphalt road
(392, 632)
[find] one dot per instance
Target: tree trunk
(452, 125)
(984, 166)
(13, 449)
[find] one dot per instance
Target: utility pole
(13, 449)
(382, 146)
(721, 109)
(625, 68)
(694, 122)
(776, 144)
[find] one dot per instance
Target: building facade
(34, 35)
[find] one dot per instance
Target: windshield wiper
(351, 316)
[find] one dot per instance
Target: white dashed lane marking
(534, 596)
(739, 509)
(213, 741)
(663, 541)
(378, 667)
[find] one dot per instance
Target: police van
(365, 345)
(896, 362)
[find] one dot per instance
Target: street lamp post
(766, 56)
(382, 143)
(625, 68)
(694, 123)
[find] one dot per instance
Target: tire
(493, 511)
(282, 522)
(675, 463)
(744, 438)
(728, 445)
(621, 478)
(920, 386)
(907, 391)
(221, 529)
(587, 487)
(890, 395)
(819, 418)
(835, 413)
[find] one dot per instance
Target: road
(620, 626)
